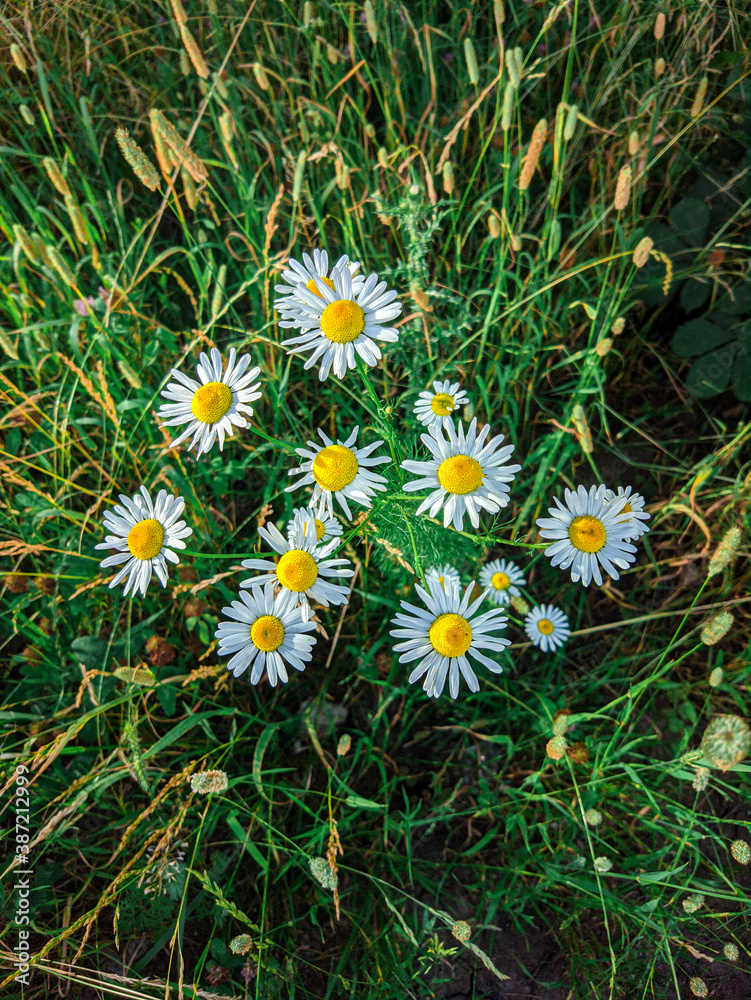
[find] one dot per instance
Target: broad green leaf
(711, 373)
(91, 651)
(694, 294)
(691, 220)
(742, 367)
(698, 336)
(659, 876)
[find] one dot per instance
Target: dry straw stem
(659, 26)
(53, 172)
(196, 56)
(178, 145)
(533, 154)
(141, 165)
(701, 93)
(622, 189)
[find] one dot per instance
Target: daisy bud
(322, 873)
(259, 73)
(701, 93)
(141, 165)
(726, 741)
(741, 852)
(659, 67)
(716, 628)
(701, 779)
(603, 865)
(715, 678)
(730, 952)
(471, 60)
(693, 903)
(593, 817)
(571, 119)
(725, 552)
(209, 782)
(698, 987)
(659, 26)
(641, 253)
(18, 58)
(241, 944)
(533, 154)
(556, 748)
(461, 931)
(623, 189)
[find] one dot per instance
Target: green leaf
(711, 373)
(659, 876)
(91, 651)
(694, 294)
(691, 219)
(358, 802)
(167, 698)
(738, 303)
(742, 367)
(698, 336)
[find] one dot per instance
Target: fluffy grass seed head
(339, 471)
(547, 627)
(144, 534)
(741, 851)
(635, 508)
(442, 635)
(725, 552)
(439, 406)
(339, 323)
(446, 575)
(716, 628)
(209, 782)
(215, 404)
(326, 528)
(588, 533)
(466, 473)
(536, 143)
(726, 741)
(266, 632)
(622, 189)
(501, 579)
(302, 567)
(139, 162)
(642, 251)
(19, 59)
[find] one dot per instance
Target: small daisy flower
(301, 568)
(305, 274)
(588, 532)
(339, 470)
(502, 580)
(634, 507)
(442, 636)
(326, 528)
(439, 406)
(265, 631)
(547, 627)
(464, 474)
(445, 575)
(213, 406)
(144, 533)
(337, 323)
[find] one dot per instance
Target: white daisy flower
(302, 567)
(144, 533)
(305, 274)
(326, 528)
(337, 323)
(446, 575)
(341, 471)
(213, 406)
(634, 507)
(265, 631)
(502, 580)
(465, 473)
(441, 637)
(439, 407)
(588, 532)
(547, 627)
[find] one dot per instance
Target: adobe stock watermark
(22, 873)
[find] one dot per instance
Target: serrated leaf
(711, 373)
(698, 336)
(694, 294)
(691, 220)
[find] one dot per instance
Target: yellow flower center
(342, 321)
(500, 581)
(451, 635)
(145, 539)
(460, 474)
(320, 528)
(267, 633)
(297, 570)
(587, 533)
(545, 626)
(211, 402)
(441, 580)
(628, 509)
(334, 467)
(311, 285)
(442, 404)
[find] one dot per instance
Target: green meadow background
(469, 862)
